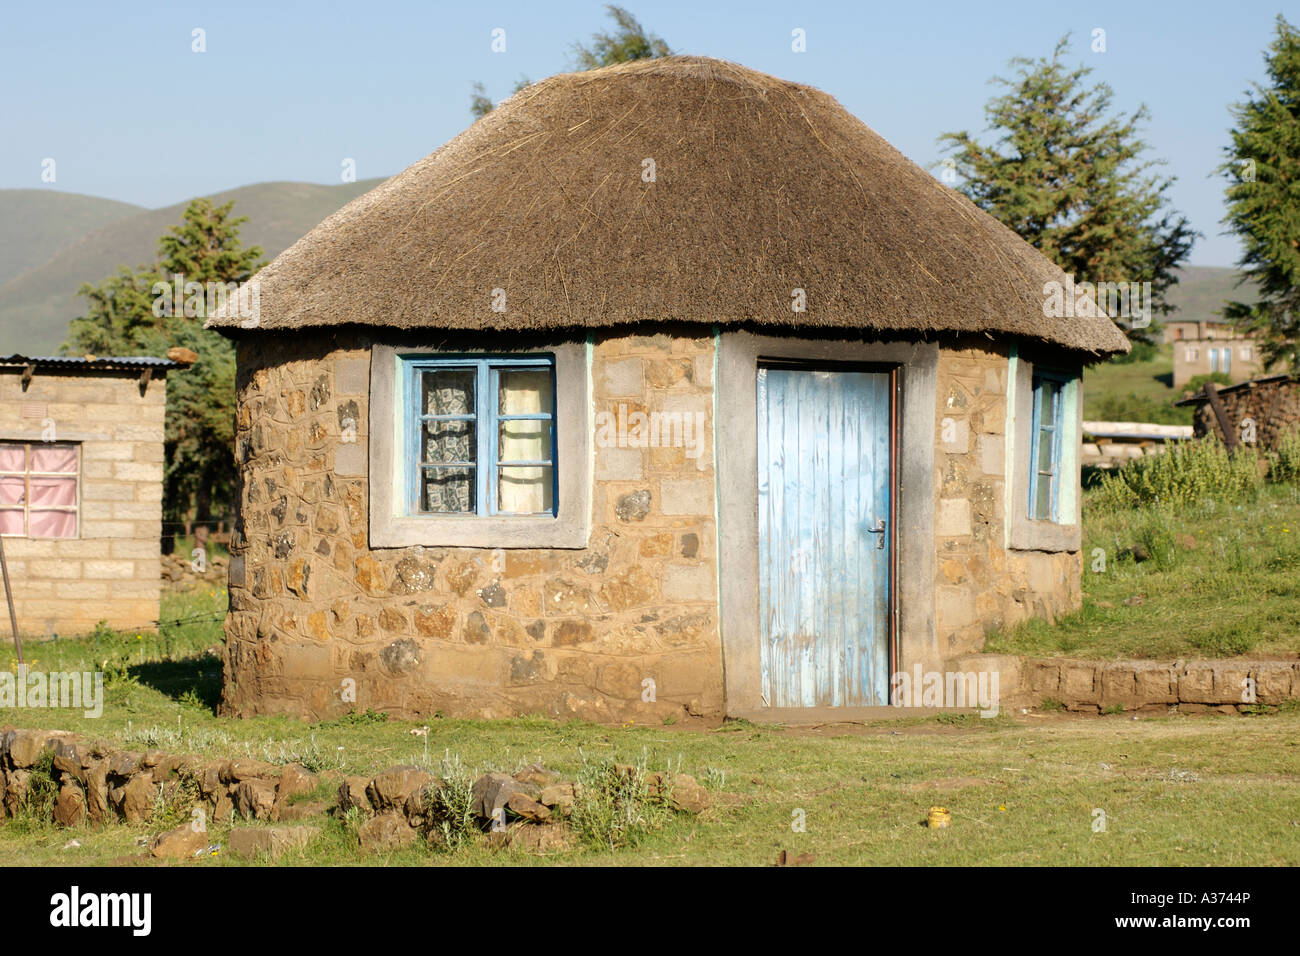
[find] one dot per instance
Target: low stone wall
(1144, 687)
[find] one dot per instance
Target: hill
(36, 223)
(1202, 290)
(36, 305)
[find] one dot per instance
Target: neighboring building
(1177, 330)
(1215, 347)
(668, 387)
(81, 468)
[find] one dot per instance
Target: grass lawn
(1134, 391)
(1219, 583)
(1023, 789)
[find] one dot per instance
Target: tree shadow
(195, 679)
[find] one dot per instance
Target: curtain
(525, 489)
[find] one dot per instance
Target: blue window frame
(480, 435)
(1045, 446)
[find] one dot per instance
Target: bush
(1284, 462)
(613, 805)
(1197, 382)
(1187, 474)
(1140, 352)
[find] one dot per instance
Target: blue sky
(288, 90)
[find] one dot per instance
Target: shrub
(1284, 462)
(1140, 352)
(1194, 473)
(450, 808)
(613, 805)
(1197, 382)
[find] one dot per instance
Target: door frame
(914, 366)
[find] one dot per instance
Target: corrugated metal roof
(98, 362)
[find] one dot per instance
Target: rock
(137, 798)
(67, 758)
(529, 838)
(558, 796)
(388, 831)
(241, 770)
(123, 764)
(352, 793)
(183, 843)
(686, 794)
(303, 811)
(151, 759)
(1136, 600)
(16, 784)
(491, 791)
(522, 805)
(70, 808)
(388, 790)
(294, 780)
(255, 798)
(24, 746)
(271, 841)
(537, 775)
(97, 791)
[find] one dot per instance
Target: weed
(613, 804)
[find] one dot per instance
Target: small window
(1045, 447)
(38, 489)
(1246, 353)
(1193, 355)
(482, 436)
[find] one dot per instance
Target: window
(1193, 354)
(1246, 353)
(1045, 448)
(38, 489)
(482, 436)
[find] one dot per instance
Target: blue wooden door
(824, 536)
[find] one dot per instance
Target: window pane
(61, 458)
(525, 490)
(524, 440)
(1044, 462)
(13, 458)
(449, 441)
(1043, 497)
(448, 392)
(53, 524)
(53, 491)
(11, 522)
(11, 491)
(526, 392)
(447, 490)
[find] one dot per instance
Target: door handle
(880, 530)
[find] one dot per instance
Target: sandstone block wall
(112, 570)
(320, 623)
(980, 585)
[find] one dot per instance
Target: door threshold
(841, 715)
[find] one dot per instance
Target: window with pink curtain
(38, 489)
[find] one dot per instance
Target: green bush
(614, 806)
(1140, 352)
(1284, 462)
(1195, 473)
(1197, 382)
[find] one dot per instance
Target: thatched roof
(760, 187)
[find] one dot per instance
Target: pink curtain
(11, 522)
(53, 491)
(13, 458)
(12, 490)
(56, 458)
(53, 524)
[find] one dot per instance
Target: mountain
(37, 223)
(1202, 290)
(37, 304)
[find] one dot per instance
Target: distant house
(1205, 346)
(667, 387)
(81, 468)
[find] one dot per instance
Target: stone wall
(320, 623)
(111, 571)
(980, 585)
(1144, 687)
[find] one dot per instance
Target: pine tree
(138, 313)
(1263, 172)
(1071, 180)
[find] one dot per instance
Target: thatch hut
(665, 388)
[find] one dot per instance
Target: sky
(116, 94)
